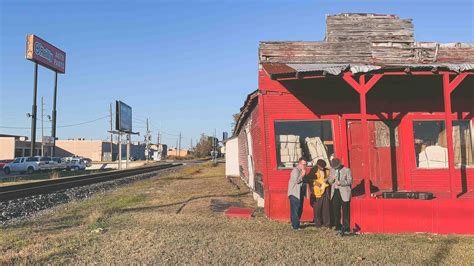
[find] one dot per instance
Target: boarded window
(310, 139)
(463, 139)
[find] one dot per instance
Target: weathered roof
(245, 111)
(363, 43)
(300, 70)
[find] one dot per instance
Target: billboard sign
(45, 54)
(48, 140)
(123, 117)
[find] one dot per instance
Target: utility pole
(42, 127)
(191, 148)
(179, 149)
(111, 136)
(176, 148)
(214, 144)
(147, 141)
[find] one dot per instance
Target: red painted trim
(344, 140)
(298, 117)
(371, 83)
(363, 87)
(264, 142)
(448, 88)
(304, 77)
(405, 130)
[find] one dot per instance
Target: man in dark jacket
(340, 179)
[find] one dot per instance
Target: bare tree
(235, 118)
(203, 147)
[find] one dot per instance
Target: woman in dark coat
(320, 194)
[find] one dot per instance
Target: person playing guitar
(320, 191)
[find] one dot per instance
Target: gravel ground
(21, 209)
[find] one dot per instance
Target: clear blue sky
(187, 65)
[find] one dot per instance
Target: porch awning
(280, 70)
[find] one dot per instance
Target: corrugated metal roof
(333, 69)
(293, 70)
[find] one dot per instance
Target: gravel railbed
(21, 209)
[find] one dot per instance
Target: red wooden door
(384, 154)
(356, 156)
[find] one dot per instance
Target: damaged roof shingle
(363, 43)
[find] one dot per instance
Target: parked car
(87, 161)
(76, 164)
(59, 164)
(4, 162)
(23, 164)
(46, 163)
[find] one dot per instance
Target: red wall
(287, 101)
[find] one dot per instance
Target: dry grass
(169, 219)
(54, 175)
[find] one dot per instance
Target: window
(32, 159)
(17, 160)
(430, 144)
(310, 139)
(463, 140)
(18, 152)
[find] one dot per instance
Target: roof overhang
(282, 71)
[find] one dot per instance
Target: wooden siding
(366, 39)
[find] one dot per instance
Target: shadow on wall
(359, 189)
(62, 152)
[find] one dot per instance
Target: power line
(71, 125)
(87, 122)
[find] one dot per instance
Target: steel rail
(48, 186)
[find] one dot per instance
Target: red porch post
(363, 87)
(448, 88)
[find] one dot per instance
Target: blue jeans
(296, 209)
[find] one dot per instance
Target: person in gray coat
(340, 178)
(297, 192)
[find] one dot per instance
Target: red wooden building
(399, 113)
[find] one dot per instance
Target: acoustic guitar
(319, 190)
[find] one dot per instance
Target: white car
(47, 163)
(75, 164)
(59, 164)
(23, 164)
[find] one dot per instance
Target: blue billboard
(123, 117)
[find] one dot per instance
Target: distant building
(98, 150)
(12, 146)
(158, 152)
(232, 157)
(181, 153)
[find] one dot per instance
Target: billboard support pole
(128, 150)
(53, 128)
(33, 113)
(120, 150)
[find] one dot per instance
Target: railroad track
(48, 186)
